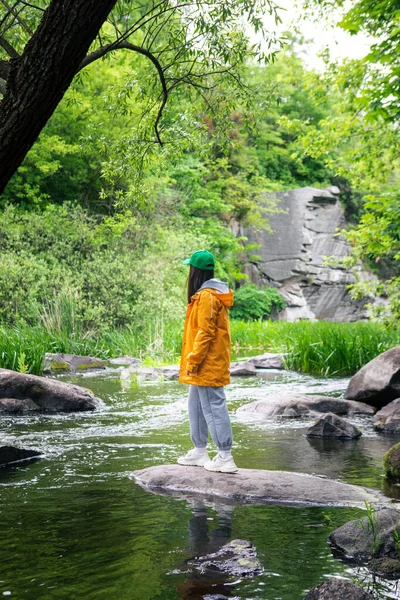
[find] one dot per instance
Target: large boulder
(391, 462)
(333, 426)
(71, 363)
(268, 360)
(48, 394)
(378, 382)
(238, 558)
(302, 405)
(243, 370)
(337, 589)
(368, 537)
(10, 455)
(387, 419)
(253, 486)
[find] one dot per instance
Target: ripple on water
(74, 525)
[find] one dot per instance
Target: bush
(252, 304)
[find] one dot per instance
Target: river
(73, 525)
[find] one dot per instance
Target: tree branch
(96, 54)
(16, 15)
(12, 53)
(4, 69)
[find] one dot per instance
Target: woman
(205, 364)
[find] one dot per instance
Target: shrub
(252, 303)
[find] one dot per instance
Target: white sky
(323, 34)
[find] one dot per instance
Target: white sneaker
(222, 465)
(194, 458)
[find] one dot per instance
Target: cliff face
(292, 258)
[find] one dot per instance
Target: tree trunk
(39, 78)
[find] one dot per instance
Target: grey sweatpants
(208, 412)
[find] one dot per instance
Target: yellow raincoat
(206, 344)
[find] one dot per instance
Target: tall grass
(319, 348)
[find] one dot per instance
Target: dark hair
(196, 279)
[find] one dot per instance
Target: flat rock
(10, 454)
(12, 406)
(253, 486)
(150, 373)
(48, 394)
(387, 419)
(268, 360)
(337, 589)
(125, 361)
(302, 405)
(378, 382)
(71, 363)
(368, 537)
(333, 426)
(238, 558)
(243, 370)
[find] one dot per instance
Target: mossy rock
(60, 365)
(391, 462)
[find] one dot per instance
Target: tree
(193, 43)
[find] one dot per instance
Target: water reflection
(204, 539)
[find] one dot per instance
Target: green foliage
(252, 303)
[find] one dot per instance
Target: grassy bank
(320, 348)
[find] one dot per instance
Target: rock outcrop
(302, 405)
(369, 537)
(71, 363)
(378, 382)
(49, 395)
(253, 486)
(332, 426)
(292, 257)
(12, 406)
(337, 589)
(10, 455)
(387, 420)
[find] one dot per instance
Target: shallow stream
(73, 525)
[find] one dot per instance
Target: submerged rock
(378, 382)
(332, 426)
(337, 589)
(368, 537)
(238, 558)
(253, 486)
(71, 363)
(302, 405)
(10, 455)
(387, 419)
(389, 568)
(391, 462)
(48, 394)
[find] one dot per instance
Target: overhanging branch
(96, 54)
(12, 53)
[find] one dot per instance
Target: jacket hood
(219, 289)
